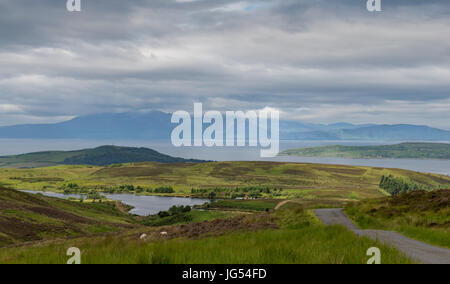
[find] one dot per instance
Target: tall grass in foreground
(435, 236)
(420, 215)
(315, 244)
(301, 238)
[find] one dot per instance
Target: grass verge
(420, 215)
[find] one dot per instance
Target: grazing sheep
(163, 234)
(143, 237)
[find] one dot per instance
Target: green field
(398, 151)
(307, 183)
(420, 215)
(299, 238)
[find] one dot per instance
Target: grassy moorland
(27, 218)
(419, 214)
(307, 183)
(397, 151)
(36, 218)
(31, 218)
(287, 236)
(232, 231)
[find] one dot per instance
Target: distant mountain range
(157, 126)
(101, 156)
(152, 125)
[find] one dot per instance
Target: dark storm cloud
(316, 60)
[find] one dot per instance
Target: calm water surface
(20, 146)
(143, 205)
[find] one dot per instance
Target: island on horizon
(100, 156)
(397, 151)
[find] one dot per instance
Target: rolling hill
(250, 238)
(398, 151)
(101, 156)
(25, 218)
(310, 183)
(247, 238)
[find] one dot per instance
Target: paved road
(419, 251)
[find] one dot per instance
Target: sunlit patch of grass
(353, 195)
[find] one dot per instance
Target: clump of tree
(175, 210)
(253, 192)
(94, 195)
(164, 189)
(127, 187)
(395, 185)
(73, 188)
(176, 214)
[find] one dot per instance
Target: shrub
(164, 189)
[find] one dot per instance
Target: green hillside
(253, 232)
(101, 156)
(398, 151)
(26, 218)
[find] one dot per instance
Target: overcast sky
(315, 60)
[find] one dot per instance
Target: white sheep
(143, 237)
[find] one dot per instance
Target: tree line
(394, 185)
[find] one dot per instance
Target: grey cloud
(165, 54)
